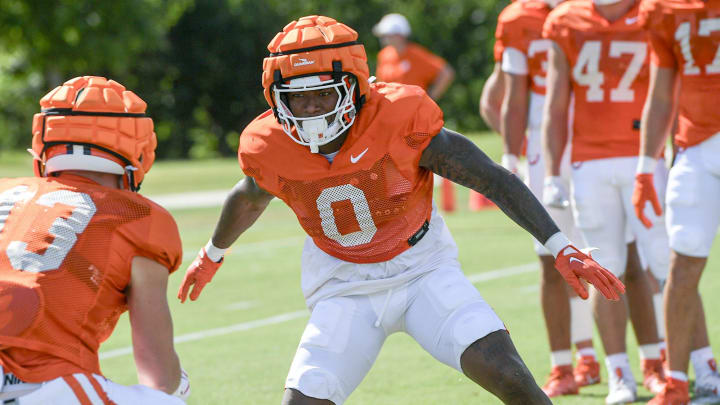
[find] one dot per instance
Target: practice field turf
(238, 339)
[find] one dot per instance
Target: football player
(599, 54)
(355, 163)
(78, 247)
(523, 55)
(685, 77)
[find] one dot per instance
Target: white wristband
(646, 164)
(213, 252)
(557, 243)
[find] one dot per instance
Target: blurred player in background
(522, 55)
(403, 61)
(599, 54)
(355, 163)
(78, 247)
(685, 76)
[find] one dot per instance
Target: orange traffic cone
(478, 202)
(447, 195)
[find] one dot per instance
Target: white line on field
(288, 316)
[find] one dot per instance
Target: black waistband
(419, 234)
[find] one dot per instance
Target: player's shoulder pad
(259, 133)
(397, 102)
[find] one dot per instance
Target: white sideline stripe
(288, 316)
(217, 331)
(240, 248)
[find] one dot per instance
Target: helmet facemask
(316, 131)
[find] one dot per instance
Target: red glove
(200, 272)
(645, 191)
(574, 265)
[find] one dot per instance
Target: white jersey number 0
(63, 230)
(362, 214)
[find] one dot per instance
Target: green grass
(261, 277)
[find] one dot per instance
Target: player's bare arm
(658, 113)
(514, 112)
(491, 99)
(152, 330)
(441, 83)
(453, 156)
(555, 115)
(242, 207)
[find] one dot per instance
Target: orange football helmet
(91, 123)
(312, 53)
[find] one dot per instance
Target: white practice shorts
(602, 205)
(438, 307)
(77, 389)
(693, 198)
(536, 175)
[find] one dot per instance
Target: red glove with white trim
(645, 191)
(574, 265)
(200, 272)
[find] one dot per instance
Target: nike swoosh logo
(631, 20)
(576, 259)
(354, 159)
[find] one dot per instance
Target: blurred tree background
(198, 63)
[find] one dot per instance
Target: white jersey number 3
(64, 231)
(586, 71)
(362, 214)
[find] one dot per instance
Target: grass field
(257, 294)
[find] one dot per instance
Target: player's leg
(692, 221)
(599, 214)
(449, 319)
(337, 349)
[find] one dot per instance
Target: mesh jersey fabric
(364, 205)
(683, 36)
(520, 26)
(66, 247)
(416, 65)
(608, 69)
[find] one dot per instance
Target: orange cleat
(653, 375)
(560, 382)
(674, 393)
(587, 371)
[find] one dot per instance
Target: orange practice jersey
(609, 76)
(685, 34)
(416, 65)
(365, 205)
(66, 246)
(520, 27)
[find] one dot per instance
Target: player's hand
(200, 272)
(575, 265)
(645, 191)
(554, 193)
(510, 162)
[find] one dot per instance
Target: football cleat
(653, 375)
(587, 371)
(675, 392)
(707, 389)
(621, 387)
(560, 382)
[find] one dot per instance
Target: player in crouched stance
(355, 163)
(78, 247)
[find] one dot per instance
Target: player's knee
(688, 240)
(314, 383)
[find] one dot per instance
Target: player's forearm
(456, 158)
(554, 138)
(514, 115)
(658, 112)
(441, 83)
(491, 99)
(243, 206)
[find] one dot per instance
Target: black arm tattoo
(453, 156)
